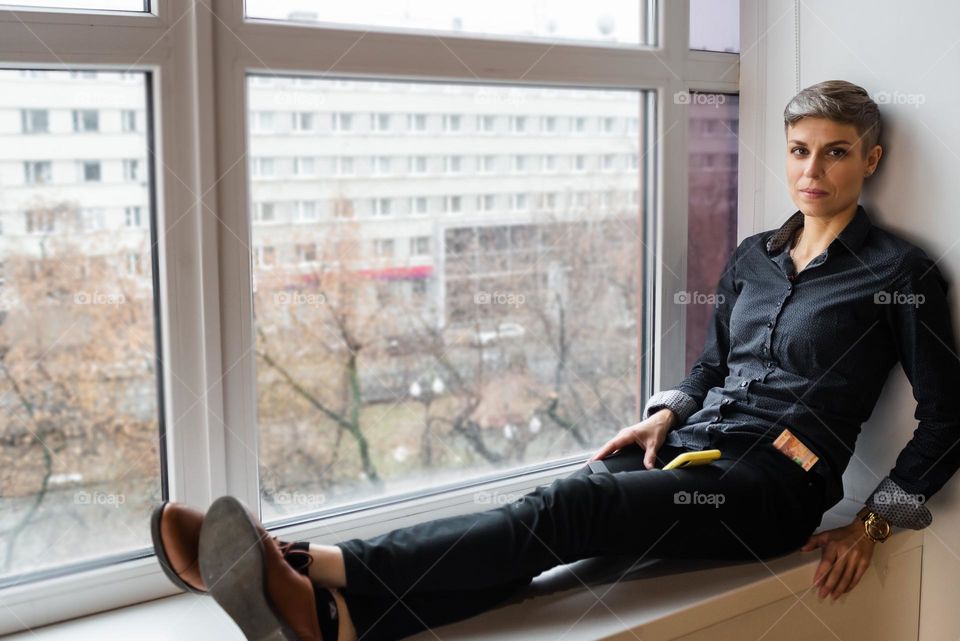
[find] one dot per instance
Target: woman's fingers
(850, 567)
(623, 438)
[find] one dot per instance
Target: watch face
(877, 530)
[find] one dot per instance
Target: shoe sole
(233, 565)
(162, 557)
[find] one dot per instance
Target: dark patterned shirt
(810, 351)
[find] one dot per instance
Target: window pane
(712, 228)
(715, 25)
(612, 21)
(434, 302)
(85, 5)
(79, 419)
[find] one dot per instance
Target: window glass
(712, 226)
(715, 25)
(85, 5)
(456, 318)
(610, 21)
(79, 423)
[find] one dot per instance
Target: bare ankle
(346, 631)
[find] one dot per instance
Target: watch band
(874, 525)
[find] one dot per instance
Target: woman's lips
(813, 193)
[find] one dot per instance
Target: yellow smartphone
(689, 459)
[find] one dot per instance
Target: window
(344, 166)
(128, 120)
(86, 120)
(608, 125)
(305, 121)
(452, 204)
(306, 252)
(712, 208)
(518, 124)
(380, 122)
(304, 166)
(381, 165)
(715, 25)
(486, 202)
(418, 165)
(519, 164)
(451, 123)
(607, 23)
(131, 170)
(132, 216)
(114, 464)
(609, 162)
(383, 247)
(417, 123)
(518, 202)
(80, 417)
(99, 5)
(420, 246)
(419, 205)
(34, 121)
(486, 123)
(342, 122)
(90, 171)
(37, 172)
(453, 164)
(579, 163)
(549, 163)
(382, 206)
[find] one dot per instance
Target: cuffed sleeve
(710, 369)
(682, 404)
(898, 506)
(920, 322)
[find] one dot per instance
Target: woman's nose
(813, 168)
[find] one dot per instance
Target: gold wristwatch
(874, 525)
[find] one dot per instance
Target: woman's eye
(840, 152)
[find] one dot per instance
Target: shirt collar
(850, 236)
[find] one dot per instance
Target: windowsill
(658, 599)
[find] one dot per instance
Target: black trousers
(751, 503)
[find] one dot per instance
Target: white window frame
(198, 124)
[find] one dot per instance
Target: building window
(453, 164)
(419, 206)
(92, 219)
(34, 121)
(131, 170)
(128, 120)
(417, 122)
(307, 252)
(264, 212)
(418, 165)
(90, 171)
(420, 246)
(304, 166)
(131, 216)
(519, 164)
(518, 202)
(344, 166)
(549, 163)
(380, 122)
(383, 247)
(452, 204)
(262, 121)
(37, 172)
(487, 164)
(609, 162)
(38, 221)
(307, 210)
(263, 167)
(486, 202)
(266, 255)
(342, 122)
(304, 121)
(579, 162)
(86, 120)
(608, 125)
(579, 124)
(486, 123)
(452, 122)
(382, 207)
(548, 124)
(518, 124)
(381, 165)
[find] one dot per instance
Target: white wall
(910, 51)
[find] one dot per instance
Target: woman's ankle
(346, 631)
(327, 568)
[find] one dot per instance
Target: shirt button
(763, 349)
(769, 323)
(743, 383)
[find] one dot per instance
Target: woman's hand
(648, 434)
(846, 556)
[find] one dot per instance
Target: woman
(808, 321)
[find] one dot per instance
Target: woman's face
(826, 165)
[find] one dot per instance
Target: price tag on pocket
(795, 450)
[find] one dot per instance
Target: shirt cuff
(898, 506)
(681, 403)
